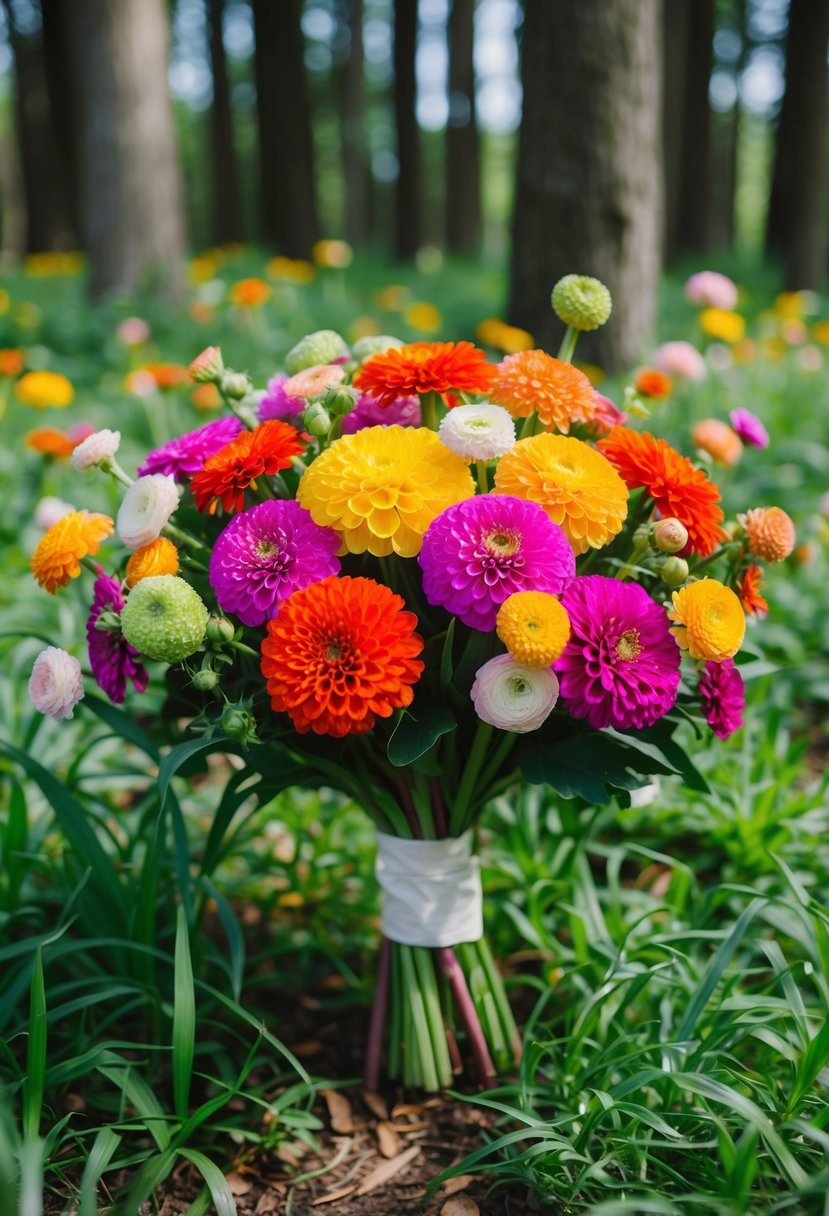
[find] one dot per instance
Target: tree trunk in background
(463, 171)
(796, 225)
(227, 208)
(695, 163)
(130, 186)
(589, 186)
(286, 145)
(408, 142)
(352, 129)
(674, 63)
(56, 17)
(45, 189)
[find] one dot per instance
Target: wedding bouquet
(421, 578)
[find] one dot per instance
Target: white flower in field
(56, 683)
(146, 508)
(478, 432)
(50, 510)
(97, 448)
(513, 697)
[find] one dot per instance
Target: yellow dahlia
(578, 487)
(44, 389)
(710, 621)
(381, 487)
(158, 557)
(534, 627)
(58, 556)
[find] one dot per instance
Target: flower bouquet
(421, 578)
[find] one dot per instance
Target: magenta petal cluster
(480, 551)
(276, 403)
(621, 665)
(185, 455)
(265, 554)
(112, 659)
(723, 697)
(403, 411)
(750, 429)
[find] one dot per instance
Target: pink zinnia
(403, 411)
(479, 552)
(749, 428)
(681, 360)
(710, 289)
(621, 665)
(112, 659)
(276, 403)
(265, 554)
(723, 697)
(184, 456)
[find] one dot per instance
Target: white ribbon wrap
(431, 890)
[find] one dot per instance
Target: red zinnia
(676, 487)
(259, 453)
(749, 591)
(340, 654)
(425, 367)
(651, 382)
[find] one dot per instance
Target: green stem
(470, 773)
(499, 756)
(568, 344)
(638, 552)
(496, 987)
(431, 1000)
(721, 552)
(429, 410)
(184, 538)
(530, 427)
(481, 474)
(112, 467)
(420, 1026)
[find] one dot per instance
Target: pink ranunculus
(56, 683)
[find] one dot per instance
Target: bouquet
(421, 578)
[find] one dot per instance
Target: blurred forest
(650, 131)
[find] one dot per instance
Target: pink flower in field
(681, 360)
(56, 683)
(709, 289)
(749, 428)
(50, 510)
(133, 331)
(723, 698)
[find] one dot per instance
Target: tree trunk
(227, 208)
(352, 128)
(674, 64)
(796, 225)
(589, 184)
(695, 164)
(56, 18)
(463, 173)
(408, 140)
(286, 148)
(130, 186)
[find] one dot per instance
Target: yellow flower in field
(158, 557)
(393, 298)
(58, 556)
(820, 332)
(5, 301)
(534, 627)
(249, 293)
(26, 315)
(498, 335)
(423, 316)
(50, 264)
(710, 621)
(722, 324)
(790, 304)
(290, 270)
(363, 327)
(44, 389)
(381, 488)
(203, 267)
(335, 255)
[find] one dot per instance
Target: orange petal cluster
(770, 533)
(651, 382)
(425, 367)
(258, 453)
(58, 556)
(749, 589)
(718, 439)
(158, 557)
(49, 441)
(533, 382)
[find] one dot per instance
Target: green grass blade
(9, 1175)
(152, 1174)
(716, 970)
(35, 1053)
(138, 1094)
(100, 1155)
(184, 1017)
(122, 724)
(32, 1156)
(217, 1184)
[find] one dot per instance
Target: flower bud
(164, 618)
(316, 420)
(207, 366)
(340, 400)
(235, 385)
(674, 571)
(239, 724)
(581, 302)
(323, 346)
(205, 680)
(220, 630)
(642, 537)
(669, 535)
(374, 344)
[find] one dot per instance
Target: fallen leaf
(387, 1170)
(311, 1047)
(457, 1184)
(238, 1185)
(376, 1104)
(339, 1110)
(403, 1109)
(388, 1140)
(411, 1127)
(333, 1196)
(460, 1205)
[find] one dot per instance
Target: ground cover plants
(166, 910)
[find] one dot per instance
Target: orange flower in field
(158, 557)
(676, 487)
(258, 453)
(249, 293)
(718, 440)
(770, 533)
(206, 397)
(340, 654)
(167, 375)
(49, 441)
(58, 556)
(533, 382)
(11, 361)
(652, 383)
(749, 589)
(425, 367)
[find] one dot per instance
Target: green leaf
(35, 1053)
(183, 752)
(184, 1017)
(419, 729)
(122, 724)
(220, 1191)
(446, 658)
(588, 766)
(100, 1155)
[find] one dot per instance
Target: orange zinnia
(11, 361)
(425, 367)
(532, 382)
(167, 375)
(749, 589)
(258, 453)
(49, 441)
(676, 487)
(58, 556)
(652, 383)
(249, 293)
(340, 654)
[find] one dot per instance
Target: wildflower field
(196, 1010)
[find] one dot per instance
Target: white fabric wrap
(431, 890)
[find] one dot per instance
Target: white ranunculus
(147, 505)
(478, 432)
(513, 697)
(95, 449)
(56, 683)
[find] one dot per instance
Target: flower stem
(470, 773)
(568, 344)
(469, 1016)
(481, 474)
(184, 538)
(377, 1025)
(421, 1042)
(429, 410)
(112, 467)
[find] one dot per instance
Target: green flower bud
(239, 724)
(164, 618)
(108, 621)
(206, 679)
(323, 346)
(642, 537)
(374, 344)
(235, 385)
(316, 420)
(207, 366)
(581, 302)
(669, 535)
(340, 400)
(220, 630)
(674, 571)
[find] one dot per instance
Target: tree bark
(463, 173)
(674, 65)
(407, 208)
(56, 18)
(130, 186)
(352, 129)
(286, 148)
(692, 234)
(589, 182)
(796, 225)
(227, 207)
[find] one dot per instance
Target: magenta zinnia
(722, 693)
(266, 553)
(621, 665)
(185, 455)
(112, 659)
(479, 552)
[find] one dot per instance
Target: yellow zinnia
(534, 627)
(578, 487)
(44, 389)
(381, 488)
(58, 556)
(710, 621)
(159, 557)
(722, 324)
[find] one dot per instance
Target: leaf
(183, 752)
(460, 1205)
(220, 1192)
(659, 736)
(418, 730)
(339, 1110)
(388, 1140)
(446, 658)
(122, 724)
(184, 1017)
(586, 766)
(100, 1155)
(384, 1172)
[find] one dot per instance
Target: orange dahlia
(259, 453)
(49, 441)
(340, 654)
(676, 487)
(749, 589)
(425, 367)
(158, 557)
(58, 556)
(577, 487)
(651, 382)
(770, 533)
(532, 382)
